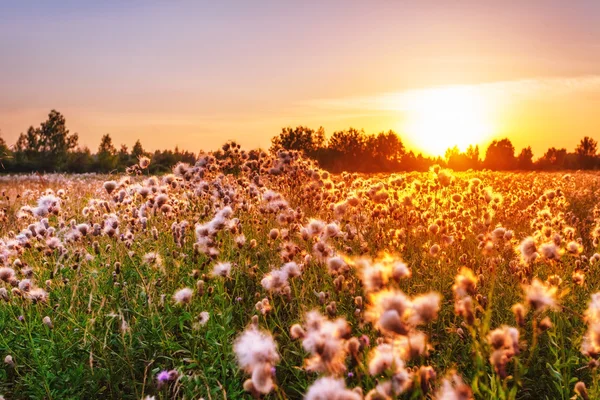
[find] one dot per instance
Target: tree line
(51, 147)
(356, 151)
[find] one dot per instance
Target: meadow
(259, 275)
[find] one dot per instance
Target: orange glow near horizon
(441, 118)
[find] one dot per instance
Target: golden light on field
(440, 118)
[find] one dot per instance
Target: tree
(349, 143)
(137, 151)
(472, 154)
(525, 159)
(346, 151)
(388, 146)
(586, 152)
(80, 161)
(500, 155)
(459, 161)
(47, 147)
(107, 159)
(300, 138)
(5, 155)
(123, 157)
(553, 159)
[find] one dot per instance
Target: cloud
(498, 91)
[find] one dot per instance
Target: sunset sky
(195, 74)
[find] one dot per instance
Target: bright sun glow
(440, 118)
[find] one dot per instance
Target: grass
(115, 328)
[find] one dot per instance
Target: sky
(195, 74)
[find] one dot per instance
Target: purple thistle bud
(21, 318)
(350, 374)
(173, 375)
(365, 340)
(163, 376)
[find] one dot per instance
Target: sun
(441, 118)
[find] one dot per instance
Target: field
(259, 275)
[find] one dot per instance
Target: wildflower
(256, 354)
(325, 340)
(540, 296)
(183, 296)
(383, 357)
(277, 279)
(591, 341)
(426, 376)
(8, 360)
(37, 295)
(465, 283)
(550, 251)
(153, 258)
(296, 332)
(328, 388)
(48, 322)
(454, 388)
(505, 343)
(203, 318)
(264, 306)
(377, 273)
(165, 376)
(519, 312)
(336, 265)
(144, 162)
(528, 250)
(578, 277)
(221, 269)
(7, 274)
(390, 311)
(581, 390)
(110, 186)
(574, 248)
(425, 308)
(545, 324)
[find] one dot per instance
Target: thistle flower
(203, 318)
(581, 390)
(8, 360)
(465, 283)
(376, 274)
(574, 248)
(539, 295)
(164, 376)
(385, 357)
(591, 341)
(110, 186)
(528, 250)
(390, 311)
(256, 354)
(7, 274)
(221, 269)
(144, 162)
(505, 343)
(183, 296)
(325, 340)
(425, 308)
(37, 295)
(328, 388)
(454, 388)
(550, 251)
(48, 322)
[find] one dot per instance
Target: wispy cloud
(499, 90)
